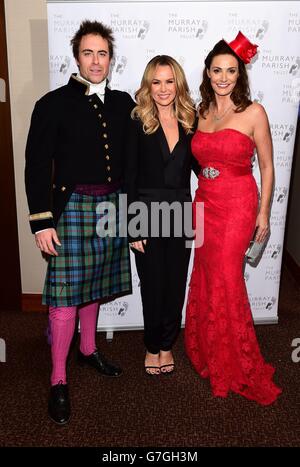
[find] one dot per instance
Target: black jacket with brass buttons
(73, 139)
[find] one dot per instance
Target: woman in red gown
(219, 332)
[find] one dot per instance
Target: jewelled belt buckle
(210, 172)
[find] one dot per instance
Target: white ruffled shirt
(98, 88)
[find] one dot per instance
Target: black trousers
(162, 270)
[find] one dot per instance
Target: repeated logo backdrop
(188, 31)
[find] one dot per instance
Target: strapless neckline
(227, 129)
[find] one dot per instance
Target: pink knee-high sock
(62, 321)
(88, 320)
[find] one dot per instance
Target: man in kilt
(74, 162)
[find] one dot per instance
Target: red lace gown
(219, 332)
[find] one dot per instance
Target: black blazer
(152, 173)
(73, 139)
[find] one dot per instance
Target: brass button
(104, 124)
(63, 188)
(53, 186)
(108, 168)
(90, 100)
(95, 106)
(99, 115)
(106, 146)
(105, 135)
(109, 179)
(107, 158)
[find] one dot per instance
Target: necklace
(216, 118)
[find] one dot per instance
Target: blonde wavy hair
(146, 109)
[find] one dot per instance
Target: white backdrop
(188, 31)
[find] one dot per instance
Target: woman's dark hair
(241, 92)
(96, 28)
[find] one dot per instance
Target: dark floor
(137, 410)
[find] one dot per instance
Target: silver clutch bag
(255, 249)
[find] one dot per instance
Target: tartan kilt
(88, 267)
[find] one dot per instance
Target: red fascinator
(243, 47)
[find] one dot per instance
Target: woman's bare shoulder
(256, 110)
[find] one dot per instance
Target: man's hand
(139, 245)
(45, 241)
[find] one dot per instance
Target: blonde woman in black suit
(158, 170)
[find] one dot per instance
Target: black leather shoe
(59, 404)
(98, 361)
